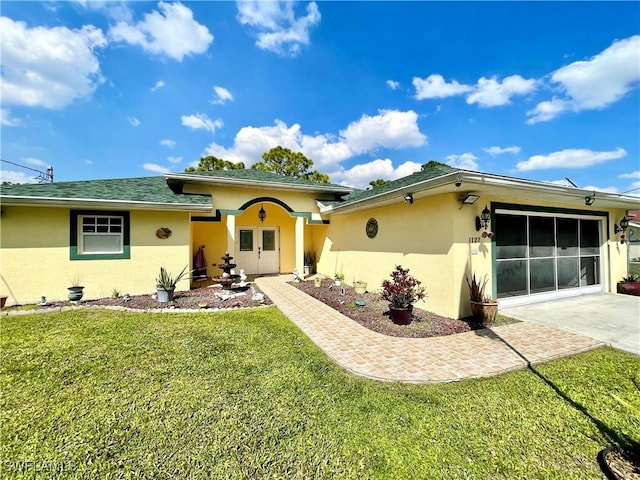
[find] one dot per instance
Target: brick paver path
(478, 353)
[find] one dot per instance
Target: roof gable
(401, 183)
(252, 177)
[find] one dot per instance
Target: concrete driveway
(613, 319)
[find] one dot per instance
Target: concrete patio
(612, 319)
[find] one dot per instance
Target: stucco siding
(417, 236)
(35, 259)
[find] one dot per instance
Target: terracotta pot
(629, 288)
(401, 316)
(484, 312)
(3, 300)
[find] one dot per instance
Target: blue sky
(541, 90)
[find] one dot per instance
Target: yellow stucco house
(535, 241)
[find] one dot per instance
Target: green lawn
(102, 394)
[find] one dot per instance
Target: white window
(100, 234)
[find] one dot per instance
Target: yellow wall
(34, 255)
(437, 240)
(214, 234)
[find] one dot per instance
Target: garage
(545, 255)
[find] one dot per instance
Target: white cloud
(570, 158)
(279, 30)
(390, 129)
(171, 30)
(35, 161)
(134, 121)
(598, 82)
(89, 162)
(465, 161)
(16, 177)
(152, 167)
(602, 189)
(489, 92)
(493, 151)
(117, 10)
(7, 120)
(434, 86)
(251, 142)
(360, 175)
(201, 121)
(48, 67)
(168, 143)
(159, 84)
(635, 174)
(175, 159)
(547, 110)
(222, 95)
(393, 85)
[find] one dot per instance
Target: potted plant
(402, 291)
(166, 284)
(309, 262)
(483, 307)
(629, 285)
(76, 291)
(338, 277)
(317, 282)
(360, 287)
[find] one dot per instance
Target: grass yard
(102, 394)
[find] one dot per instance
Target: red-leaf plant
(402, 291)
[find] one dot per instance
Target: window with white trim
(100, 234)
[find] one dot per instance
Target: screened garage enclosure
(541, 256)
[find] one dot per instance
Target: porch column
(300, 245)
(231, 235)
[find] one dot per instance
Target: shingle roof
(250, 175)
(404, 182)
(151, 190)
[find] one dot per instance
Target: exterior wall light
(483, 220)
(588, 200)
(262, 214)
(624, 224)
(470, 199)
(408, 198)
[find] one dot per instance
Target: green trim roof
(255, 176)
(401, 183)
(150, 190)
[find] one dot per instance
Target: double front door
(258, 249)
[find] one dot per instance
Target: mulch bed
(199, 298)
(374, 315)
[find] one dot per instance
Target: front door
(258, 250)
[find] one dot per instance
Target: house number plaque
(372, 227)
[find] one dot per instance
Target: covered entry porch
(264, 236)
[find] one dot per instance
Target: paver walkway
(474, 354)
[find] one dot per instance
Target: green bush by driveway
(102, 394)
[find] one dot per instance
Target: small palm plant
(167, 281)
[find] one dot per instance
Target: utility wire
(42, 176)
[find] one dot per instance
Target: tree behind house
(210, 163)
(291, 164)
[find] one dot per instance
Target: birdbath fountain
(226, 279)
